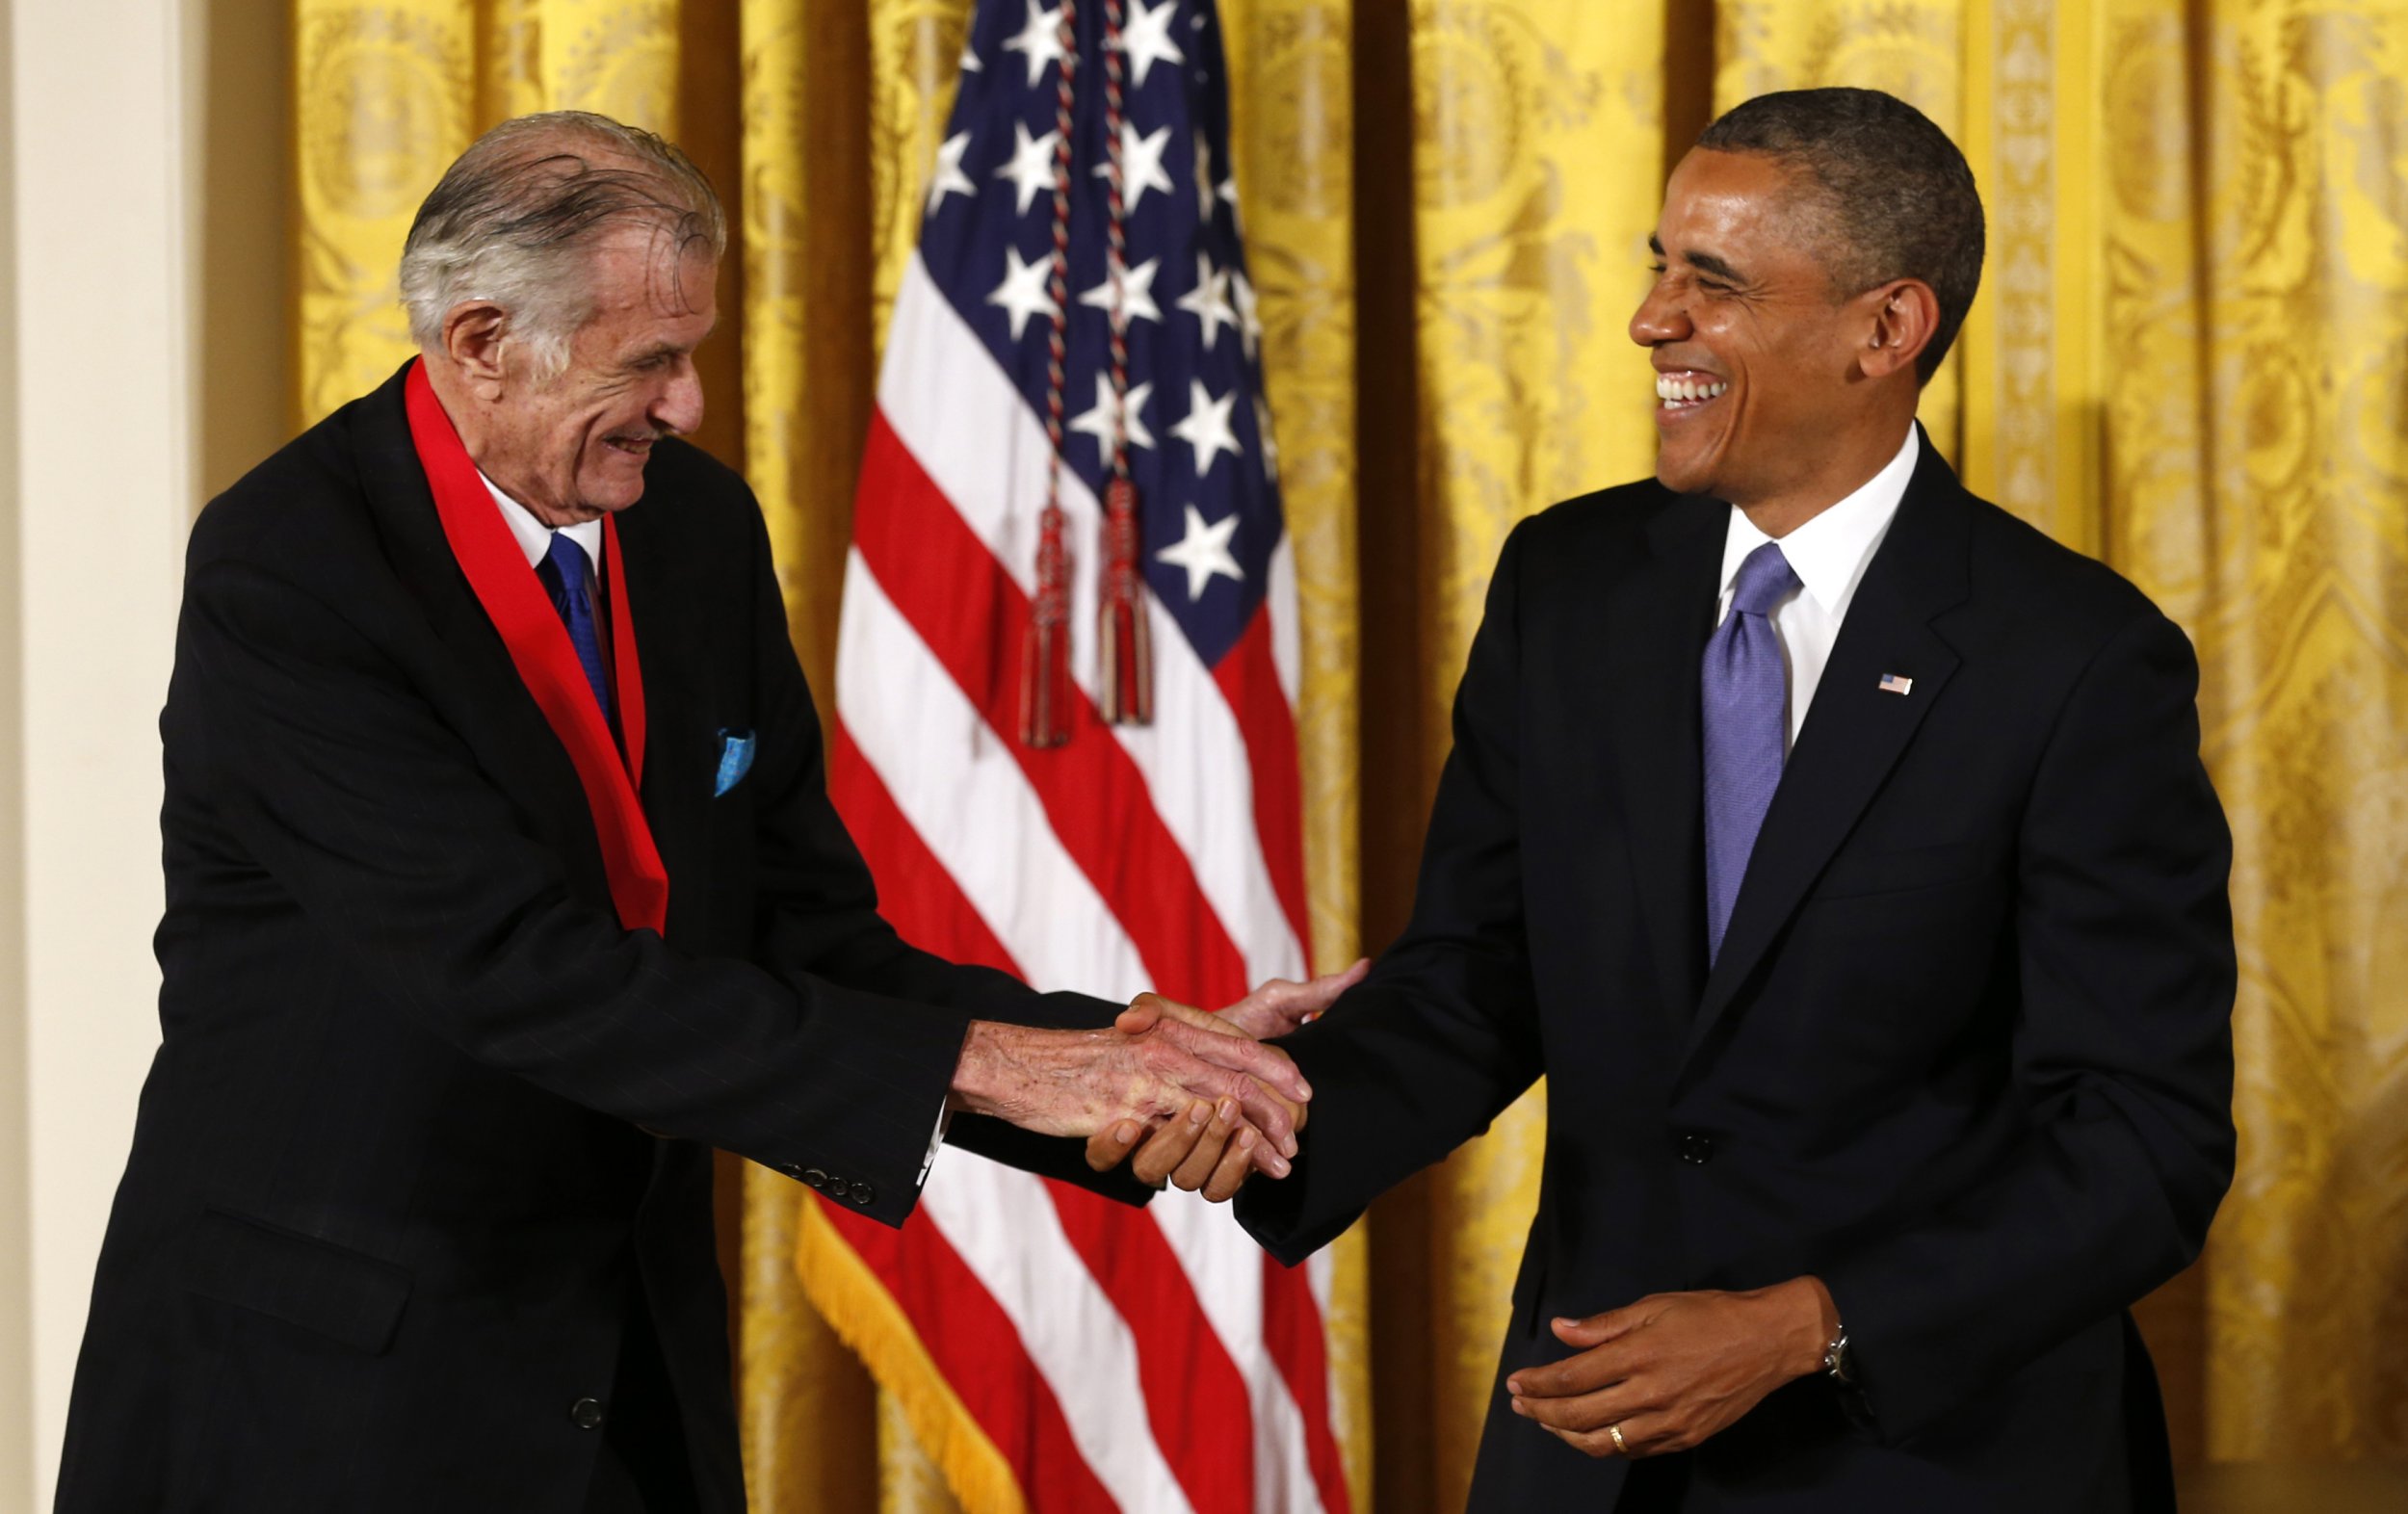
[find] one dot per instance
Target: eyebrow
(1703, 261)
(671, 349)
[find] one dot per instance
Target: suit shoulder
(2082, 598)
(299, 511)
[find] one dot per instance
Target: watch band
(1837, 1362)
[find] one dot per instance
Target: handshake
(1210, 1101)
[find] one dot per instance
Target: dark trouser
(1655, 1485)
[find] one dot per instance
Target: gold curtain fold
(2191, 357)
(616, 57)
(383, 99)
(2257, 487)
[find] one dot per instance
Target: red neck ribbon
(514, 601)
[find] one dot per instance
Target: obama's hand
(1210, 1147)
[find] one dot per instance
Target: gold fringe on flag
(865, 1315)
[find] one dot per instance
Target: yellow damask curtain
(2187, 358)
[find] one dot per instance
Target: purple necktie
(564, 572)
(1746, 711)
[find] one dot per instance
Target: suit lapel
(508, 734)
(1653, 632)
(1854, 730)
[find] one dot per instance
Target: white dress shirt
(534, 539)
(1828, 554)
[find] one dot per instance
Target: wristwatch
(1838, 1363)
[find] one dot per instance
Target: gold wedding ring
(1619, 1443)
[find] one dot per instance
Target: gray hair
(1896, 196)
(515, 219)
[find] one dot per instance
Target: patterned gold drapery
(2191, 357)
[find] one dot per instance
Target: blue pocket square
(735, 760)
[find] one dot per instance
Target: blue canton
(1200, 449)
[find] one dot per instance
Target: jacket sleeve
(372, 814)
(1444, 1034)
(2122, 1059)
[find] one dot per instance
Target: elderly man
(1839, 849)
(502, 885)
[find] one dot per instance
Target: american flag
(1058, 1352)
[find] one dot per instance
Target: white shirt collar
(535, 537)
(1830, 552)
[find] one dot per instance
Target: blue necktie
(1746, 712)
(564, 574)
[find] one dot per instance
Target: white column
(96, 492)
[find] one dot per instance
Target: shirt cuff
(944, 1122)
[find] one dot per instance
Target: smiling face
(1761, 399)
(572, 448)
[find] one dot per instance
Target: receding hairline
(548, 192)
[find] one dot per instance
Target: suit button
(862, 1194)
(1697, 1148)
(815, 1177)
(585, 1414)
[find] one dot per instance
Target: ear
(474, 334)
(1905, 315)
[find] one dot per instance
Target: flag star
(1098, 421)
(1249, 320)
(1032, 166)
(1207, 427)
(1263, 441)
(1145, 37)
(1209, 301)
(1228, 192)
(1040, 40)
(1140, 164)
(949, 180)
(1203, 178)
(1022, 294)
(1204, 552)
(970, 59)
(1137, 293)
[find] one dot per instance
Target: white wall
(97, 478)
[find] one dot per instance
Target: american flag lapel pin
(1892, 683)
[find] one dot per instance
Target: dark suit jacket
(425, 1120)
(1966, 1054)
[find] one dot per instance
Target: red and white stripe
(1139, 1359)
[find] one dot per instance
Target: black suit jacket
(426, 1125)
(1965, 1055)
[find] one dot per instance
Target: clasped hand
(1674, 1369)
(1211, 1144)
(1200, 1082)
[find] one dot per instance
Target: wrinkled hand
(1675, 1368)
(1077, 1083)
(1209, 1149)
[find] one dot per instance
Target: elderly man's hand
(1209, 1149)
(1674, 1369)
(1078, 1083)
